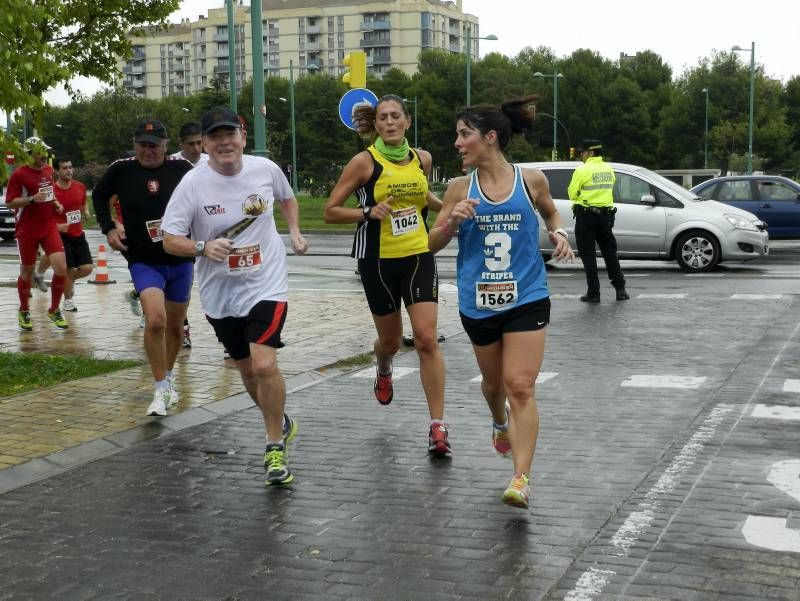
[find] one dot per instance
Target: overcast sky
(680, 31)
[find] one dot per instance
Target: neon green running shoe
(518, 492)
(25, 323)
(275, 465)
(289, 430)
(58, 319)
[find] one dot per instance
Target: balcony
(137, 83)
(220, 37)
(221, 69)
(375, 25)
(317, 63)
(313, 46)
(138, 55)
(313, 30)
(381, 59)
(374, 43)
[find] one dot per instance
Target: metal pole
(469, 62)
(259, 120)
(294, 131)
(555, 114)
(752, 97)
(416, 142)
(232, 55)
(705, 137)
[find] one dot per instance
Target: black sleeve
(101, 195)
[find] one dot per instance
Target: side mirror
(647, 199)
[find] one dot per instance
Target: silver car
(7, 220)
(658, 219)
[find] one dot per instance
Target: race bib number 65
(495, 296)
(244, 259)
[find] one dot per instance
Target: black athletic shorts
(263, 325)
(525, 318)
(76, 249)
(386, 281)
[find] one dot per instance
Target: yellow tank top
(403, 233)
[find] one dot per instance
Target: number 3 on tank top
(497, 253)
(404, 221)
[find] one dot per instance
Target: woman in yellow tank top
(390, 182)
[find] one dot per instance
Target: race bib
(495, 296)
(404, 221)
(73, 217)
(154, 230)
(244, 259)
(49, 189)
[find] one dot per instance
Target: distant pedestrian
(144, 185)
(30, 194)
(502, 285)
(242, 275)
(72, 195)
(390, 181)
(591, 191)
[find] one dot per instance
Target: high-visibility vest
(592, 184)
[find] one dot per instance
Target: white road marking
(770, 532)
(448, 288)
(756, 296)
(565, 296)
(663, 381)
(397, 372)
(591, 582)
(541, 378)
(648, 295)
(776, 412)
(790, 385)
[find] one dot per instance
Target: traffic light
(356, 77)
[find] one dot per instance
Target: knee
(83, 271)
(264, 369)
(518, 388)
(156, 323)
(389, 346)
(426, 342)
(492, 388)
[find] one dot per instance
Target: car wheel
(7, 236)
(697, 251)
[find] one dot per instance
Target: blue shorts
(174, 280)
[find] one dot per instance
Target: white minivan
(658, 219)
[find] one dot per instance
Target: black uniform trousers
(595, 224)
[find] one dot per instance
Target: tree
(48, 42)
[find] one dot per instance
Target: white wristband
(561, 231)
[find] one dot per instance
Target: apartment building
(314, 35)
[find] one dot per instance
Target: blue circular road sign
(351, 100)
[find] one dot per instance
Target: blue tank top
(499, 263)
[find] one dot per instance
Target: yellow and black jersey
(404, 232)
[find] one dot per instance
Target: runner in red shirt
(72, 196)
(30, 194)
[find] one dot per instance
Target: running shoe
(275, 465)
(226, 354)
(289, 430)
(518, 492)
(69, 305)
(58, 319)
(384, 390)
(25, 323)
(141, 322)
(438, 444)
(500, 440)
(174, 397)
(161, 400)
(38, 280)
(133, 302)
(187, 338)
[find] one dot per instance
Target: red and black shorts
(263, 325)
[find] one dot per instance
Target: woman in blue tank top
(502, 286)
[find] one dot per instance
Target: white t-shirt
(207, 203)
(179, 155)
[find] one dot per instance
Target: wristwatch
(367, 211)
(199, 248)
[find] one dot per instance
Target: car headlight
(741, 223)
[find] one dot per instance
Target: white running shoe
(133, 302)
(38, 280)
(141, 322)
(174, 398)
(69, 305)
(161, 400)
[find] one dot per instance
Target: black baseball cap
(219, 116)
(590, 145)
(150, 130)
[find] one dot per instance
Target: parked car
(659, 219)
(773, 199)
(6, 219)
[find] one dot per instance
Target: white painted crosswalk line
(790, 385)
(397, 372)
(776, 412)
(540, 379)
(756, 296)
(663, 381)
(448, 288)
(653, 295)
(565, 295)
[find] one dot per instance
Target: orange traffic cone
(101, 272)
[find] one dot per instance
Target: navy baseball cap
(220, 116)
(150, 130)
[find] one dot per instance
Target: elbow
(327, 217)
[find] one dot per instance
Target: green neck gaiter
(392, 153)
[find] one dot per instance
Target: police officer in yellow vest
(591, 193)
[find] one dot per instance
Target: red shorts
(27, 246)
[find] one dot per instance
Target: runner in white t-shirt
(242, 277)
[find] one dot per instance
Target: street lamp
(556, 75)
(469, 58)
(705, 136)
(292, 126)
(752, 52)
(407, 100)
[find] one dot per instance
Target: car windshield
(678, 190)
